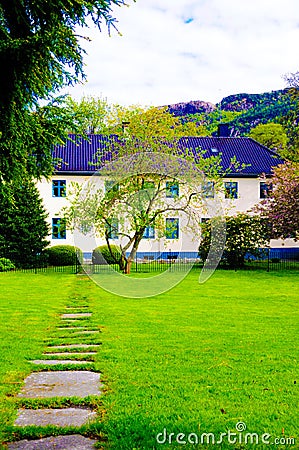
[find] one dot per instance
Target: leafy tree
(244, 234)
(272, 135)
(290, 121)
(96, 115)
(40, 52)
(153, 177)
(89, 115)
(282, 207)
(23, 225)
(207, 123)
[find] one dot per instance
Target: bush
(63, 255)
(102, 255)
(244, 234)
(6, 265)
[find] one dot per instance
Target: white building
(242, 190)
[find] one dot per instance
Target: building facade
(245, 186)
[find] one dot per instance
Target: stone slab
(75, 315)
(76, 306)
(69, 355)
(73, 346)
(68, 383)
(61, 417)
(72, 321)
(52, 362)
(71, 328)
(73, 442)
(87, 332)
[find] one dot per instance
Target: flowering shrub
(244, 234)
(282, 207)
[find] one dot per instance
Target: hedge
(102, 255)
(63, 255)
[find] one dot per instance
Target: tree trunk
(131, 259)
(133, 252)
(128, 265)
(122, 264)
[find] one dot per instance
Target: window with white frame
(58, 188)
(58, 228)
(112, 227)
(231, 189)
(172, 228)
(149, 232)
(208, 189)
(265, 189)
(172, 189)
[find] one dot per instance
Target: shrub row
(68, 255)
(63, 255)
(6, 265)
(102, 255)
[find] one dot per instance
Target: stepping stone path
(42, 417)
(73, 442)
(52, 362)
(75, 315)
(62, 383)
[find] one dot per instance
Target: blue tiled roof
(78, 155)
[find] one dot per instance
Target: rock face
(248, 110)
(192, 107)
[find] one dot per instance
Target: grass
(29, 311)
(197, 359)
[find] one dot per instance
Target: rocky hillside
(192, 107)
(241, 111)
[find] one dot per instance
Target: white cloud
(180, 50)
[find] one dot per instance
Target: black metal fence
(38, 263)
(270, 260)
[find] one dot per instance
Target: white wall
(248, 196)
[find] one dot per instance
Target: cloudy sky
(180, 50)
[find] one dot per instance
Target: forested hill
(242, 111)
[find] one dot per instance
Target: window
(58, 188)
(265, 189)
(208, 189)
(148, 184)
(149, 233)
(112, 228)
(172, 189)
(172, 228)
(58, 228)
(231, 189)
(111, 185)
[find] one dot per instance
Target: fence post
(268, 265)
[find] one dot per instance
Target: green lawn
(197, 359)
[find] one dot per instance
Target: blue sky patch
(189, 20)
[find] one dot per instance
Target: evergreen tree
(23, 225)
(40, 53)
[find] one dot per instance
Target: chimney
(223, 130)
(125, 126)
